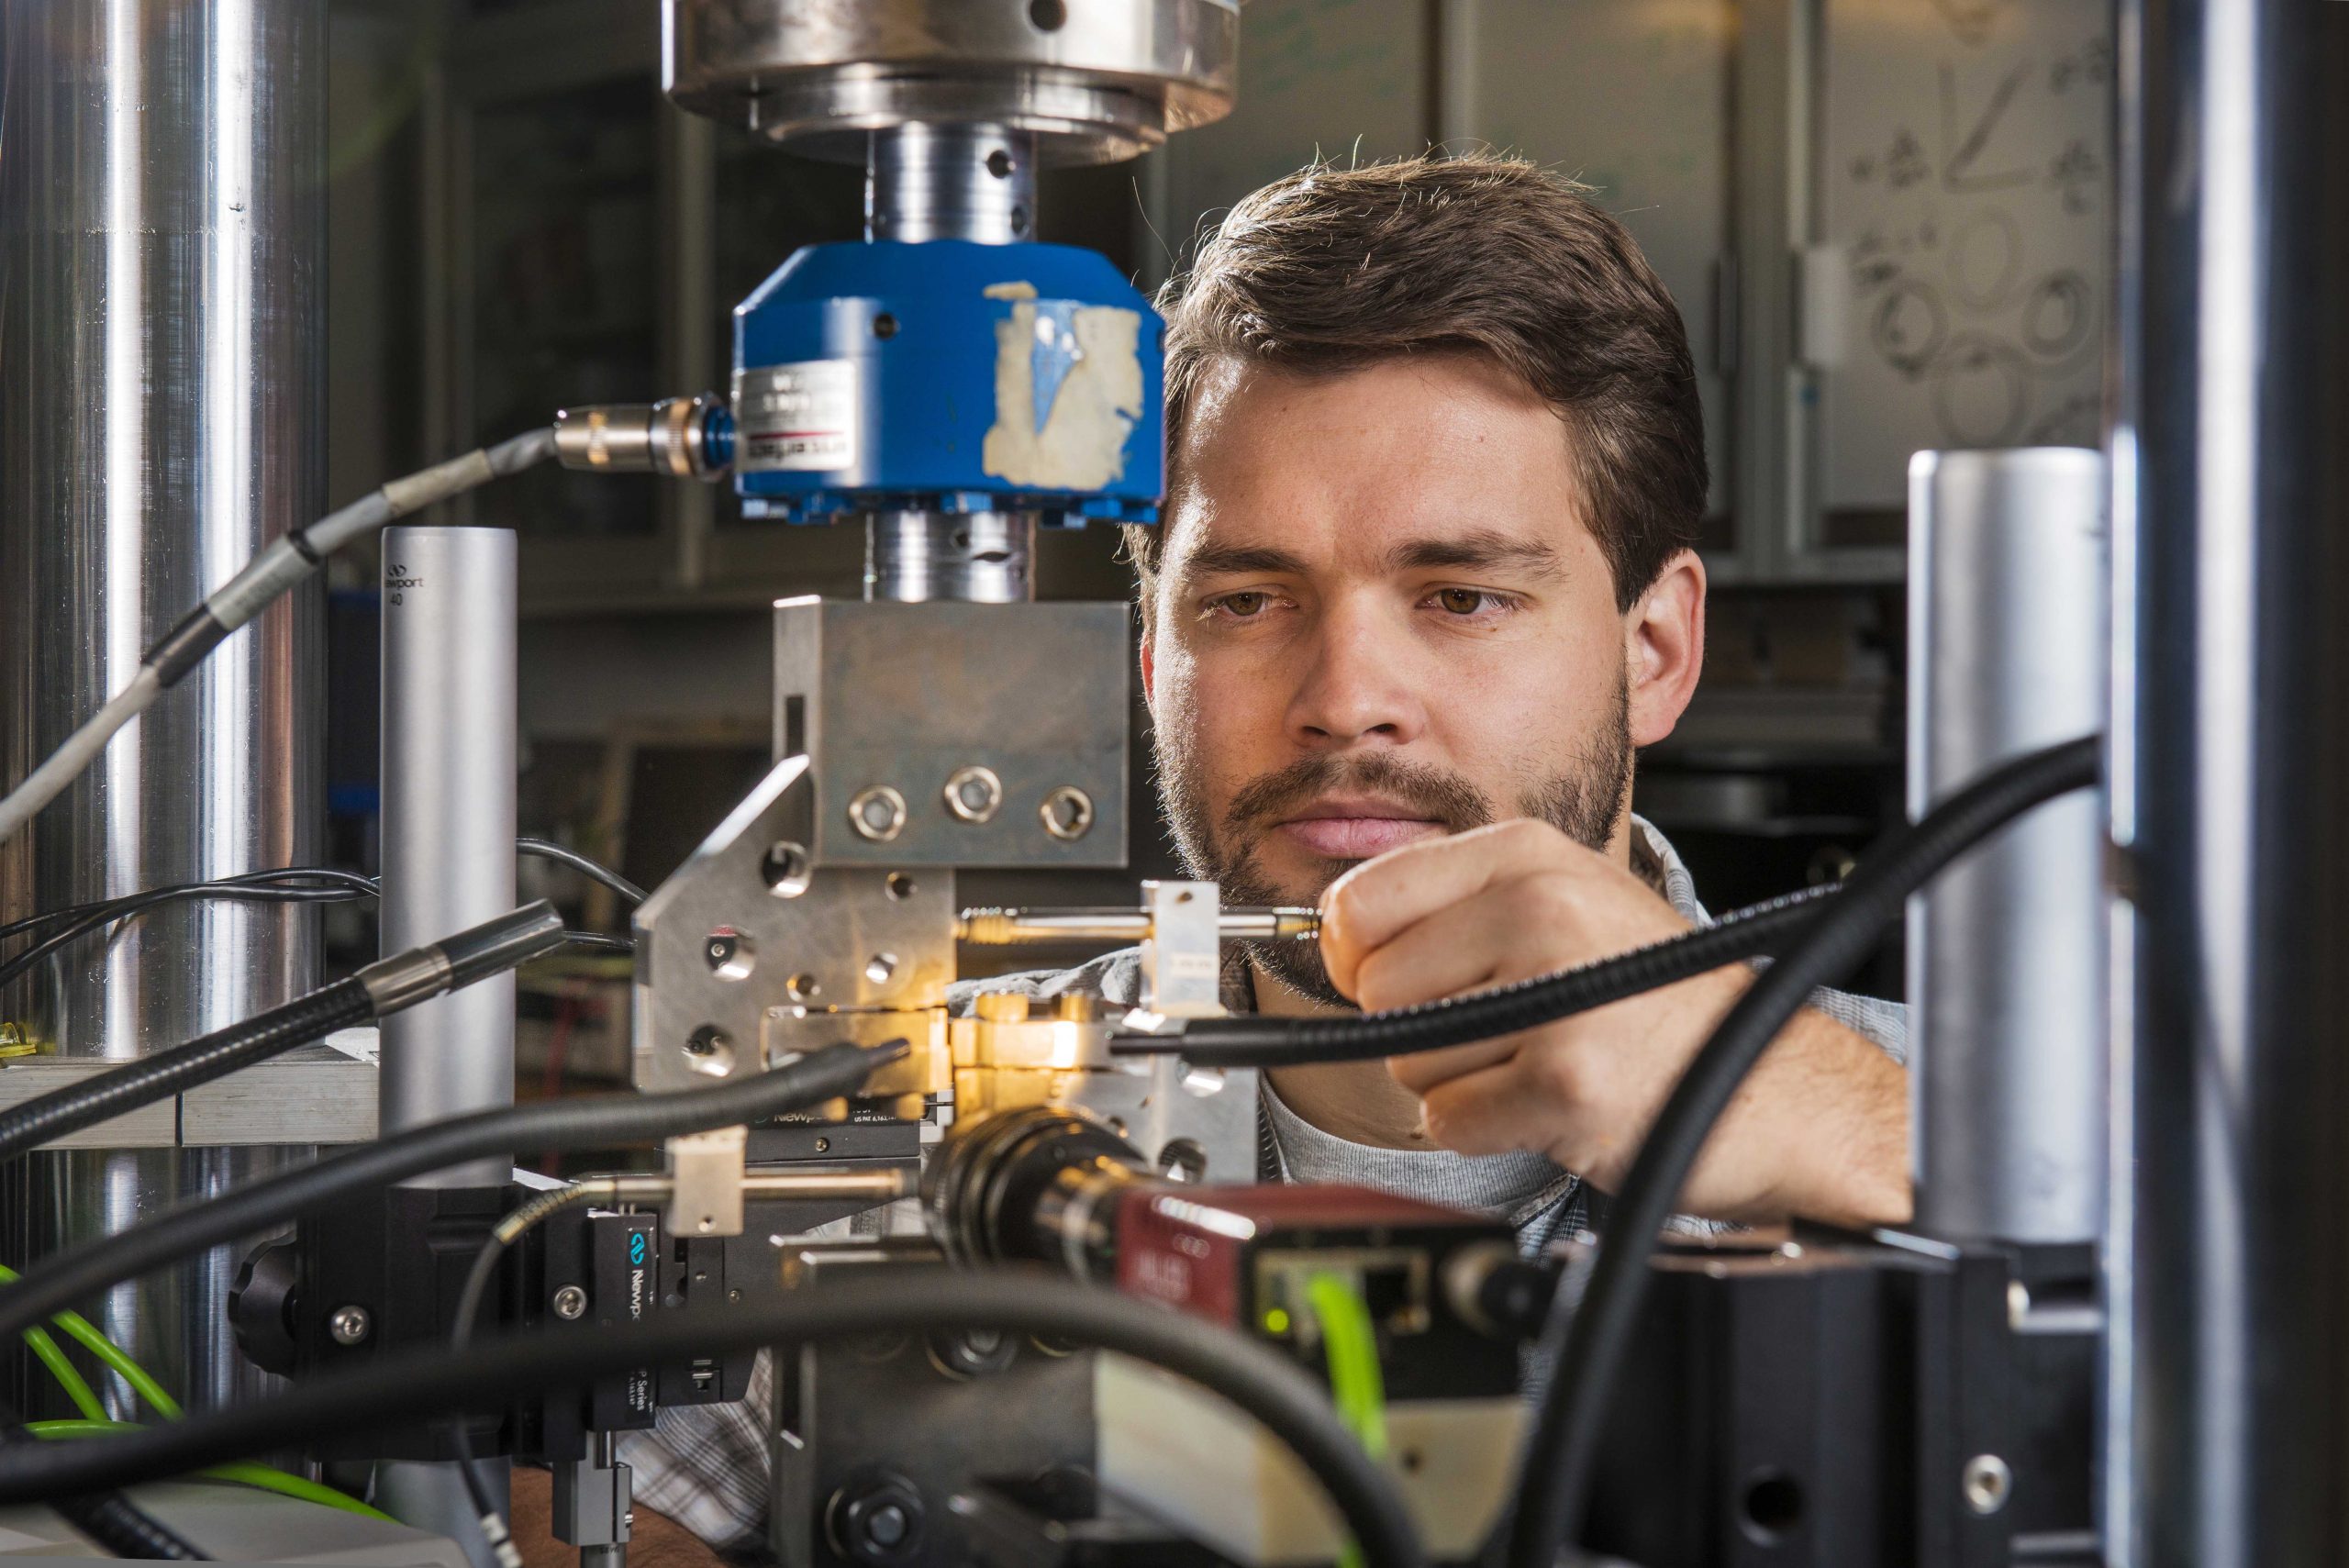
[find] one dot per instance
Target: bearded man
(1426, 583)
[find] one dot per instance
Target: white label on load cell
(795, 416)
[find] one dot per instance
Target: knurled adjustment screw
(880, 1520)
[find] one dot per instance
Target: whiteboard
(1962, 201)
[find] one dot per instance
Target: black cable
(602, 942)
(1587, 1343)
(111, 1094)
(1261, 1382)
(358, 887)
(261, 886)
(126, 1529)
(584, 1122)
(502, 1237)
(280, 885)
(547, 849)
(398, 981)
(1261, 1042)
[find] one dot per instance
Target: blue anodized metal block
(948, 375)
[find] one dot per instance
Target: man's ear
(1664, 646)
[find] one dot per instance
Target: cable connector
(491, 947)
(686, 437)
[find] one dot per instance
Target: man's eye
(1462, 601)
(1242, 606)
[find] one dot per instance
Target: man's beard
(1584, 802)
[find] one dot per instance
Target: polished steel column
(950, 182)
(985, 557)
(450, 768)
(2008, 576)
(2230, 780)
(161, 248)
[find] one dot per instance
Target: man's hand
(1820, 1127)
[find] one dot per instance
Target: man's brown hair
(1328, 270)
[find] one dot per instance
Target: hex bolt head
(878, 812)
(569, 1303)
(880, 1520)
(349, 1325)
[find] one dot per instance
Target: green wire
(243, 1471)
(142, 1382)
(1351, 1342)
(68, 1378)
(95, 1422)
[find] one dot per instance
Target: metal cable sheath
(1255, 1041)
(596, 1121)
(1260, 1383)
(1587, 1341)
(48, 1116)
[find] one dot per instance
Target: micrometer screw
(349, 1325)
(569, 1303)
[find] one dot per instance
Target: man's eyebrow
(1239, 559)
(1475, 548)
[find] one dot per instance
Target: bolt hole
(900, 885)
(802, 988)
(1049, 16)
(881, 968)
(1019, 220)
(962, 538)
(731, 954)
(885, 326)
(999, 164)
(1412, 1461)
(1773, 1508)
(709, 1052)
(784, 869)
(1183, 1161)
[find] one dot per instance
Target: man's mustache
(1430, 791)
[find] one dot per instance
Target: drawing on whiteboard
(1975, 286)
(2089, 65)
(1959, 172)
(1909, 327)
(1981, 391)
(1985, 259)
(2079, 175)
(2056, 319)
(1972, 20)
(2075, 421)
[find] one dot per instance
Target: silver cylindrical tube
(985, 557)
(449, 769)
(950, 182)
(162, 415)
(2008, 582)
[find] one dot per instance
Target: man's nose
(1357, 683)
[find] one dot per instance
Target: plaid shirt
(705, 1466)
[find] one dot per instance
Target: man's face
(1380, 616)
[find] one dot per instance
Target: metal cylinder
(2231, 783)
(2007, 575)
(162, 251)
(950, 182)
(985, 557)
(1092, 82)
(449, 772)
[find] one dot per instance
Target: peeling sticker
(1010, 291)
(1067, 393)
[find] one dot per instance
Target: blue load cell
(951, 376)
